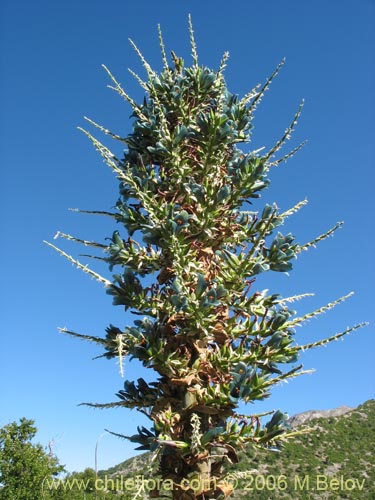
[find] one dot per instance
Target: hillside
(336, 461)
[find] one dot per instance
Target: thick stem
(197, 486)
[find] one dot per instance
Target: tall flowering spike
(162, 48)
(192, 43)
(201, 324)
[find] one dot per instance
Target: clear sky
(51, 76)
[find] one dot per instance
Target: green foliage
(339, 446)
(24, 466)
(210, 335)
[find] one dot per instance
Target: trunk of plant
(195, 473)
(197, 486)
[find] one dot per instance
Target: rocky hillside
(336, 461)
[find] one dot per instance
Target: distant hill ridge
(306, 416)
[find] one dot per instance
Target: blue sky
(51, 56)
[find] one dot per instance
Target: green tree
(24, 466)
(188, 269)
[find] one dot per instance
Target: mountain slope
(335, 461)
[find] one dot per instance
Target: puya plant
(187, 255)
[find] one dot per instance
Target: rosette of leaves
(210, 336)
